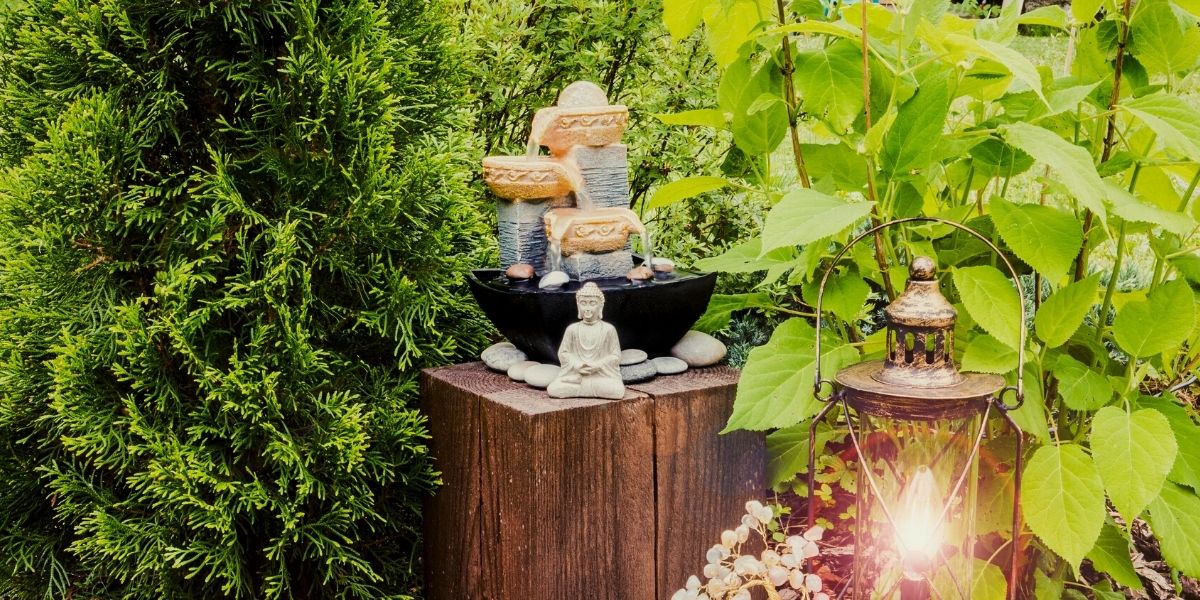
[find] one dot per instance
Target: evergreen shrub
(230, 233)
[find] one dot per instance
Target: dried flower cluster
(779, 569)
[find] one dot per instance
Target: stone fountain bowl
(526, 178)
(650, 316)
(565, 127)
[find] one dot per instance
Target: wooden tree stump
(546, 499)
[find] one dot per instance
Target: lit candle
(918, 531)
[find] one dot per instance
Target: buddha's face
(590, 309)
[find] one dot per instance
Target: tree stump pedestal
(549, 499)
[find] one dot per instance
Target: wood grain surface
(581, 498)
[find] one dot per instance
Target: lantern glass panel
(917, 485)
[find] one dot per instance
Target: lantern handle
(1019, 388)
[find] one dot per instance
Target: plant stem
(789, 92)
(880, 259)
(1183, 202)
(1116, 270)
(1110, 130)
(1112, 283)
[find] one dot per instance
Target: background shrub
(229, 234)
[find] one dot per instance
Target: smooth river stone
(499, 357)
(638, 372)
(553, 279)
(698, 349)
(517, 371)
(669, 365)
(632, 356)
(540, 375)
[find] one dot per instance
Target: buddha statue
(590, 353)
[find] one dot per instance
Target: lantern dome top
(918, 376)
(922, 304)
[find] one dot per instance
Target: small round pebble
(639, 372)
(519, 272)
(669, 365)
(499, 357)
(663, 265)
(640, 273)
(632, 356)
(553, 279)
(540, 375)
(698, 349)
(517, 371)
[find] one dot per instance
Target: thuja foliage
(879, 114)
(229, 234)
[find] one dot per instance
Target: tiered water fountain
(563, 220)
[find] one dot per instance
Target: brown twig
(872, 195)
(1110, 130)
(789, 91)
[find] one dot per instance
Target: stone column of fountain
(565, 216)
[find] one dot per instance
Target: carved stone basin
(519, 178)
(561, 127)
(594, 231)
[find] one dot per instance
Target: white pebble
(669, 365)
(517, 371)
(632, 356)
(553, 279)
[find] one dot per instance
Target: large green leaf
(1157, 324)
(985, 354)
(1063, 312)
(759, 122)
(1063, 500)
(829, 82)
(912, 139)
(1134, 452)
(1045, 237)
(1072, 164)
(747, 257)
(1080, 387)
(1175, 519)
(776, 387)
(682, 16)
(687, 187)
(1084, 11)
(731, 23)
(1131, 208)
(1016, 63)
(1111, 556)
(722, 306)
(837, 163)
(845, 295)
(788, 448)
(1176, 122)
(1163, 39)
(805, 215)
(1186, 469)
(992, 301)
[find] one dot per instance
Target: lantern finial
(920, 323)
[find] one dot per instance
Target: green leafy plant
(230, 234)
(1085, 176)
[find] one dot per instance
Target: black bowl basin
(649, 316)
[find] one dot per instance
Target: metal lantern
(917, 424)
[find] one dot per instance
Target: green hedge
(230, 232)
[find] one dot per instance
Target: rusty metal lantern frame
(892, 401)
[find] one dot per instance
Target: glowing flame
(918, 523)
